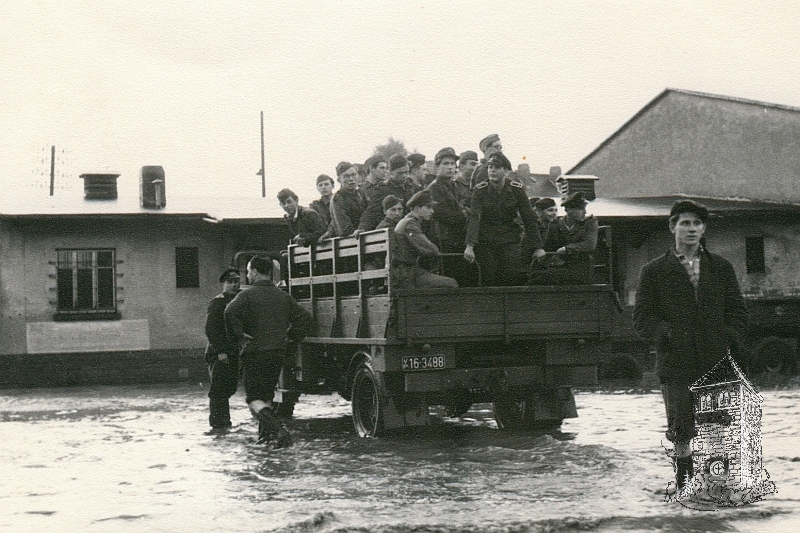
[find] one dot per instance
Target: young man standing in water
(690, 307)
(261, 318)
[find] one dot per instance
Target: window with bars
(86, 281)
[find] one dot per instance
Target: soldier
(375, 167)
(416, 167)
(261, 318)
(489, 145)
(467, 162)
(222, 355)
(323, 205)
(573, 238)
(393, 208)
(410, 244)
(690, 307)
(548, 213)
(348, 203)
(305, 225)
(450, 224)
(398, 185)
(493, 236)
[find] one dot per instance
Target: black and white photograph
(399, 267)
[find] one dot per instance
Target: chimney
(569, 184)
(100, 186)
(152, 194)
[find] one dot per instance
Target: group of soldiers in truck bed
(469, 208)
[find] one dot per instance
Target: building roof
(725, 371)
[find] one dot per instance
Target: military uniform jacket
(373, 213)
(323, 207)
(269, 315)
(447, 214)
(493, 210)
(410, 242)
(575, 237)
(346, 209)
(308, 224)
(218, 341)
(691, 333)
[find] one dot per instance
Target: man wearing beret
(493, 236)
(573, 239)
(305, 224)
(416, 167)
(489, 145)
(410, 244)
(222, 355)
(323, 205)
(348, 203)
(690, 307)
(546, 212)
(467, 162)
(375, 166)
(398, 185)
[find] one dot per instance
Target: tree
(391, 147)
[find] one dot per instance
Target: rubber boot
(269, 426)
(219, 416)
(684, 471)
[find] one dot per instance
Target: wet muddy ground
(110, 459)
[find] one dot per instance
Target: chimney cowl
(568, 184)
(152, 193)
(100, 186)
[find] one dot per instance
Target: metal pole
(263, 173)
(52, 168)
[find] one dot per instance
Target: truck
(393, 353)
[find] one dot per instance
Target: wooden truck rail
(393, 352)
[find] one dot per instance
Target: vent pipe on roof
(569, 184)
(100, 186)
(152, 194)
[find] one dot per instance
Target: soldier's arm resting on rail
(589, 241)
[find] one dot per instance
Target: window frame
(70, 263)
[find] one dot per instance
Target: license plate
(423, 362)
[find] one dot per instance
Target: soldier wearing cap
(449, 222)
(690, 307)
(489, 145)
(547, 211)
(348, 203)
(305, 225)
(410, 244)
(222, 354)
(572, 239)
(493, 236)
(376, 168)
(323, 205)
(467, 162)
(416, 168)
(398, 185)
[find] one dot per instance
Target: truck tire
(509, 413)
(514, 412)
(774, 355)
(367, 402)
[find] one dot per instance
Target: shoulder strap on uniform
(482, 185)
(516, 184)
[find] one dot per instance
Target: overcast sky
(116, 85)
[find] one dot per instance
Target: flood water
(108, 459)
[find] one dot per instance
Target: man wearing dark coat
(690, 307)
(222, 354)
(398, 184)
(306, 226)
(323, 205)
(348, 203)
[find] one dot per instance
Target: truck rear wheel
(367, 403)
(774, 355)
(509, 413)
(520, 412)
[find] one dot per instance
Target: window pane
(105, 288)
(105, 258)
(64, 280)
(85, 300)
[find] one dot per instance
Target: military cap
(469, 155)
(575, 199)
(324, 177)
(544, 203)
(445, 152)
(486, 141)
(499, 159)
(373, 160)
(343, 167)
(416, 160)
(229, 274)
(397, 161)
(689, 206)
(420, 198)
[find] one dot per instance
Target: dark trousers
(261, 372)
(680, 412)
(499, 263)
(224, 378)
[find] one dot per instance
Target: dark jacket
(218, 341)
(691, 335)
(448, 217)
(410, 242)
(373, 213)
(493, 213)
(323, 207)
(307, 225)
(346, 209)
(268, 315)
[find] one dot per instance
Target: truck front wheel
(367, 403)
